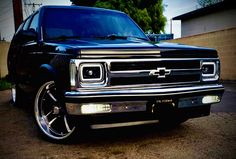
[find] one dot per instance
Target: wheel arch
(49, 73)
(46, 72)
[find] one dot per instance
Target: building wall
(7, 27)
(224, 41)
(207, 23)
(4, 46)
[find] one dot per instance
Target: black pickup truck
(90, 66)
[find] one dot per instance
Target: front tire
(51, 117)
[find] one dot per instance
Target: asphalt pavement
(210, 137)
(229, 98)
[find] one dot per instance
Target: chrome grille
(153, 80)
(148, 65)
(134, 72)
(138, 72)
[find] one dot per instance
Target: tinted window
(34, 22)
(88, 24)
(26, 25)
(19, 28)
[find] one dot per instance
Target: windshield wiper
(111, 37)
(115, 36)
(140, 38)
(64, 37)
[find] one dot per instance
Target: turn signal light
(210, 99)
(95, 108)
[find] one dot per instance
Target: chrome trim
(141, 60)
(137, 87)
(36, 53)
(120, 56)
(143, 92)
(96, 80)
(157, 72)
(94, 84)
(209, 63)
(211, 77)
(73, 73)
(137, 73)
(113, 107)
(114, 125)
(119, 52)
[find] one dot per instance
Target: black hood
(165, 49)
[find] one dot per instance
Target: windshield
(88, 23)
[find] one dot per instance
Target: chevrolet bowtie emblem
(160, 72)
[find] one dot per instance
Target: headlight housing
(91, 74)
(87, 74)
(210, 70)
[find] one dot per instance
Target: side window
(34, 22)
(26, 25)
(19, 28)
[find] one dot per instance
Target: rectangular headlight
(210, 70)
(91, 73)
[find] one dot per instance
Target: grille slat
(153, 79)
(134, 73)
(148, 65)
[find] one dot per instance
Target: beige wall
(210, 22)
(224, 42)
(4, 46)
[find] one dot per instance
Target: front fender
(47, 72)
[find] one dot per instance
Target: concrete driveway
(228, 103)
(213, 136)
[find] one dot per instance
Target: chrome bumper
(142, 92)
(133, 100)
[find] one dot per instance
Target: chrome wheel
(17, 96)
(13, 93)
(51, 118)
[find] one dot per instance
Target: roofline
(226, 4)
(79, 7)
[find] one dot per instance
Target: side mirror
(28, 35)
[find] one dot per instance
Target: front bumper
(110, 100)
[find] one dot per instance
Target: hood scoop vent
(119, 52)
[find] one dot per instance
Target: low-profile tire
(52, 120)
(17, 95)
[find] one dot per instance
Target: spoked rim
(51, 118)
(13, 93)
